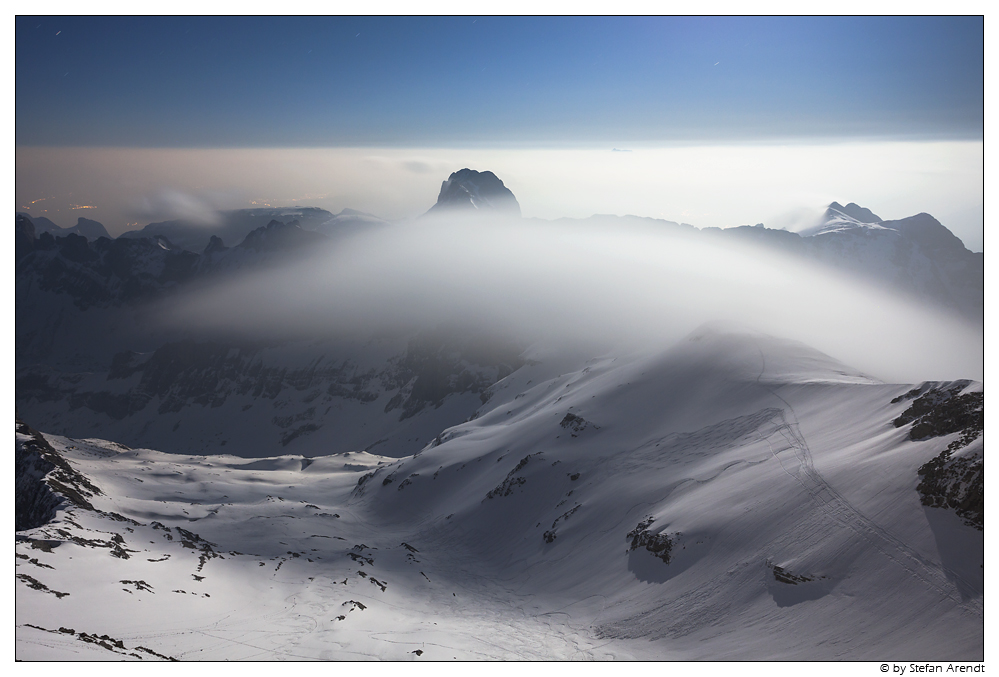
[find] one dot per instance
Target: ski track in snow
(844, 513)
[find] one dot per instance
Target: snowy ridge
(733, 497)
(839, 219)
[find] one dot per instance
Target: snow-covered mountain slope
(838, 218)
(732, 497)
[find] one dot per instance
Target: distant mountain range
(86, 227)
(916, 256)
(233, 226)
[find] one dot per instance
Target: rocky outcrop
(955, 478)
(34, 503)
(660, 545)
(44, 481)
(512, 480)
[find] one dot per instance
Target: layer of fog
(780, 185)
(639, 287)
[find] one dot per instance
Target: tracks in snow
(840, 510)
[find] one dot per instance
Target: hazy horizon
(782, 186)
(714, 121)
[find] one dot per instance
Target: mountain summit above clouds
(839, 218)
(470, 189)
(854, 211)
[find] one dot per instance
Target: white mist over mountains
(641, 287)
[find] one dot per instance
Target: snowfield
(732, 497)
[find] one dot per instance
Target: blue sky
(513, 82)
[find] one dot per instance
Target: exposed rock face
(575, 424)
(105, 272)
(939, 410)
(955, 478)
(34, 503)
(660, 545)
(44, 480)
(215, 245)
(512, 480)
(782, 575)
(468, 189)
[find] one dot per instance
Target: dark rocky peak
(45, 241)
(24, 236)
(278, 236)
(44, 225)
(24, 226)
(854, 211)
(470, 189)
(215, 245)
(90, 229)
(75, 248)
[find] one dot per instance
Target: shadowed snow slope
(733, 497)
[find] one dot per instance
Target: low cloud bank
(639, 286)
